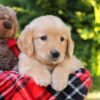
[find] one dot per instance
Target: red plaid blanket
(14, 86)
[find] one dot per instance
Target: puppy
(47, 52)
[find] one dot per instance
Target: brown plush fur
(8, 28)
(7, 58)
(8, 22)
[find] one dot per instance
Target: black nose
(55, 54)
(7, 25)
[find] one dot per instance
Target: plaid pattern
(14, 86)
(78, 85)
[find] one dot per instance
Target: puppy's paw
(59, 80)
(43, 78)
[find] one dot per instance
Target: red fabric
(31, 92)
(19, 87)
(13, 46)
(14, 86)
(85, 78)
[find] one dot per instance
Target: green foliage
(83, 17)
(95, 84)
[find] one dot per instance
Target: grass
(95, 84)
(94, 93)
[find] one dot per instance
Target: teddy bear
(8, 28)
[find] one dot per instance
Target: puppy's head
(48, 39)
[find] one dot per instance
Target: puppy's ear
(25, 42)
(70, 45)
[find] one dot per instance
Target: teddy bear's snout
(7, 25)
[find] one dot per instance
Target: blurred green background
(82, 16)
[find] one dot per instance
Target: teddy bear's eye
(62, 38)
(44, 38)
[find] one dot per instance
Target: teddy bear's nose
(7, 25)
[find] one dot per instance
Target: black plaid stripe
(21, 82)
(75, 90)
(1, 98)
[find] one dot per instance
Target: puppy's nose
(55, 54)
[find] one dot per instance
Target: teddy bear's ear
(11, 12)
(25, 42)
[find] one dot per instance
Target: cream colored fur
(35, 59)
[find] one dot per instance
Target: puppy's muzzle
(55, 54)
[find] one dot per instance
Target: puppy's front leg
(59, 78)
(41, 76)
(36, 70)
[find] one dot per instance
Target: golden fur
(35, 59)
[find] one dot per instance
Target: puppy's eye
(62, 39)
(44, 38)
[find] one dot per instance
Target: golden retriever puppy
(47, 52)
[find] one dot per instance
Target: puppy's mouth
(49, 60)
(52, 61)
